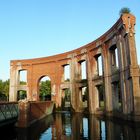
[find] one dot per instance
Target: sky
(40, 28)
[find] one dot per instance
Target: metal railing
(8, 110)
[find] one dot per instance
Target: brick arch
(42, 76)
(38, 81)
(123, 36)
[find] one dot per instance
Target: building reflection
(77, 127)
(61, 128)
(35, 130)
(66, 126)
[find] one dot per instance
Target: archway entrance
(45, 89)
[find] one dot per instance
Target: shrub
(125, 10)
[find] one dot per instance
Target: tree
(45, 90)
(22, 94)
(67, 94)
(4, 89)
(125, 10)
(23, 83)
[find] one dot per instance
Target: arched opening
(45, 89)
(23, 77)
(21, 94)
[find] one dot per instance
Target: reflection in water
(34, 131)
(85, 127)
(103, 130)
(66, 126)
(80, 127)
(47, 134)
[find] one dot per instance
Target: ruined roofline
(121, 22)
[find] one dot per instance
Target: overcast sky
(39, 28)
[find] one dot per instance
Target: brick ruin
(118, 73)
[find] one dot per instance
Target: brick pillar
(13, 83)
(126, 94)
(93, 97)
(115, 95)
(132, 82)
(75, 97)
(133, 79)
(122, 65)
(29, 83)
(107, 80)
(90, 84)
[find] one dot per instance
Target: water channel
(66, 126)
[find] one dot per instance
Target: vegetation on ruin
(125, 10)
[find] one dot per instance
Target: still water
(66, 126)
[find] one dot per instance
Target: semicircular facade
(103, 76)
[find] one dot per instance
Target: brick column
(107, 80)
(13, 83)
(75, 97)
(132, 85)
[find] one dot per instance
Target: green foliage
(23, 83)
(67, 80)
(67, 94)
(125, 10)
(45, 89)
(22, 94)
(4, 89)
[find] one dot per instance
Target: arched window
(45, 88)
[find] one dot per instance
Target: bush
(125, 10)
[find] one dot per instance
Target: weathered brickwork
(118, 76)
